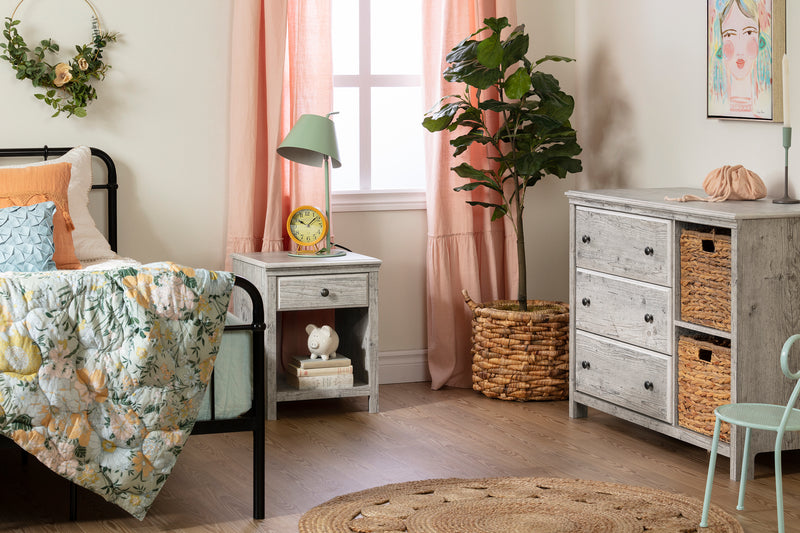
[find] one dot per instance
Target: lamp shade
(310, 139)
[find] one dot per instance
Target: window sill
(378, 201)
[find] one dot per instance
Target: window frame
(366, 198)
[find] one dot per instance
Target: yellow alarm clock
(307, 225)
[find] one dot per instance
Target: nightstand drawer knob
(648, 318)
(585, 365)
(648, 251)
(586, 302)
(586, 239)
(324, 293)
(648, 385)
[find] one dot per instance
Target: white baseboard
(403, 367)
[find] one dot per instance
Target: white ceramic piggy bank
(322, 342)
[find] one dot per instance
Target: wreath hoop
(67, 85)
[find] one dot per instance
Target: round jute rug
(513, 505)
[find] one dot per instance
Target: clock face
(307, 225)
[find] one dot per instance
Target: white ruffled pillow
(90, 244)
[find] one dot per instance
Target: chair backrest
(787, 348)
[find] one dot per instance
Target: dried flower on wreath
(67, 85)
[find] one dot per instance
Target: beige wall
(642, 93)
(639, 82)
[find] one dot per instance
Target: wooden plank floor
(318, 450)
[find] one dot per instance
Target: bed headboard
(110, 185)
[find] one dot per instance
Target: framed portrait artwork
(746, 43)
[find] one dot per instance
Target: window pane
(398, 160)
(346, 177)
(344, 29)
(396, 32)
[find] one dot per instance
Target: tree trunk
(522, 292)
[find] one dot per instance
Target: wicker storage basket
(704, 383)
(706, 279)
(520, 355)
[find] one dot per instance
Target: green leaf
(490, 52)
(499, 212)
(80, 112)
(515, 47)
(517, 84)
(466, 50)
(51, 93)
(439, 120)
(497, 25)
(39, 96)
(465, 170)
(553, 58)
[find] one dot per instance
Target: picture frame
(746, 43)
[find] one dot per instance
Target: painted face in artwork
(739, 42)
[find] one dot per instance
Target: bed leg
(73, 502)
(258, 474)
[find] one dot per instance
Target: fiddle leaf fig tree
(533, 137)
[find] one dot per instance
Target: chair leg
(745, 463)
(779, 481)
(712, 464)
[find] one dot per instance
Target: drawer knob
(586, 239)
(586, 302)
(324, 293)
(648, 250)
(648, 385)
(585, 365)
(648, 318)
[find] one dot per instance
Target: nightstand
(347, 284)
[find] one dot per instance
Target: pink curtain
(280, 69)
(465, 249)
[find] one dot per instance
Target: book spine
(336, 381)
(320, 371)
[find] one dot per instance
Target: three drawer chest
(680, 306)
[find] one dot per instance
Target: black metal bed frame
(253, 420)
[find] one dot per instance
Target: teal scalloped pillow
(26, 238)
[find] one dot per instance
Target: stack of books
(305, 373)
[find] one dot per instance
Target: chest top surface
(654, 201)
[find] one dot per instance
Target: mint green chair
(776, 418)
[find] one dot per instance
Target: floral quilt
(102, 373)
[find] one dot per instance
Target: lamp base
(317, 255)
(785, 200)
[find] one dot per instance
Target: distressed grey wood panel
(630, 377)
(322, 292)
(623, 309)
(632, 246)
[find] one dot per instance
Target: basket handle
(472, 305)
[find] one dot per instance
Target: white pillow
(90, 244)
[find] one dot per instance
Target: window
(377, 92)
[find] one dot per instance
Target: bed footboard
(253, 420)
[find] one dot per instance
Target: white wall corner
(409, 366)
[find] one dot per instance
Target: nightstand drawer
(626, 310)
(322, 292)
(635, 379)
(625, 245)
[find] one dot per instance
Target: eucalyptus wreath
(67, 85)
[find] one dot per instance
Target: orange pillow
(33, 185)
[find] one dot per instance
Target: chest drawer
(626, 245)
(635, 379)
(322, 292)
(622, 309)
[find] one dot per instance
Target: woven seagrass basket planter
(520, 355)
